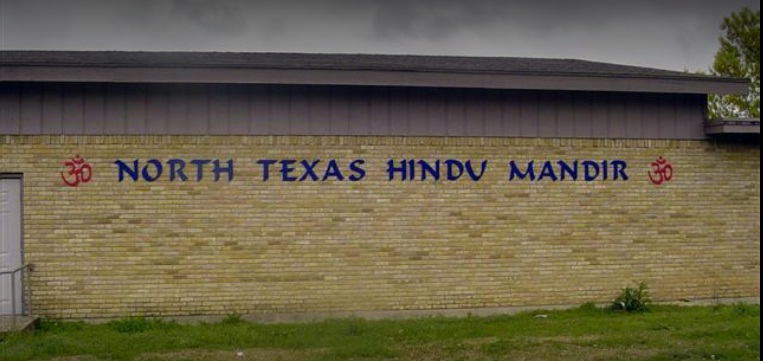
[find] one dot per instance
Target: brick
(108, 249)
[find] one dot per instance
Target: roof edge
(357, 69)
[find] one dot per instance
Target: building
(176, 184)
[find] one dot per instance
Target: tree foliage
(738, 57)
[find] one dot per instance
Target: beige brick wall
(107, 248)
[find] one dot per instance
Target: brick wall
(109, 248)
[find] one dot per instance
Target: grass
(587, 333)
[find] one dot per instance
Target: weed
(140, 324)
(632, 299)
(232, 319)
(745, 310)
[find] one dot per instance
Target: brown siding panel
(135, 107)
(70, 108)
(359, 112)
(52, 109)
(198, 111)
(339, 111)
(178, 110)
(600, 115)
(616, 116)
(10, 110)
(692, 117)
(634, 117)
(259, 110)
(318, 112)
(219, 111)
(114, 111)
(530, 114)
(299, 112)
(667, 115)
(379, 112)
(239, 110)
(547, 114)
(650, 117)
(512, 115)
(456, 113)
(156, 111)
(398, 112)
(31, 109)
(493, 114)
(583, 117)
(418, 111)
(438, 113)
(565, 121)
(475, 113)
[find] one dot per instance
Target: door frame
(20, 178)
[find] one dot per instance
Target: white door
(10, 243)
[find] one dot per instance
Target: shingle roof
(418, 63)
(356, 69)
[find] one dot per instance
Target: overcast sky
(678, 34)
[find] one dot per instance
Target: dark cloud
(667, 34)
(394, 19)
(217, 16)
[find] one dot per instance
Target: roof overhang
(732, 126)
(354, 69)
(102, 74)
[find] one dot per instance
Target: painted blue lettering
(618, 168)
(450, 163)
(515, 172)
(427, 168)
(474, 176)
(266, 163)
(359, 172)
(199, 163)
(176, 169)
(124, 168)
(591, 170)
(333, 171)
(547, 171)
(309, 170)
(147, 175)
(217, 169)
(565, 169)
(391, 170)
(286, 169)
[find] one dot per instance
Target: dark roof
(732, 126)
(359, 65)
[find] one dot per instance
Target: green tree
(738, 57)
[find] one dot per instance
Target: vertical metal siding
(565, 120)
(30, 111)
(9, 110)
(511, 114)
(582, 114)
(547, 114)
(634, 114)
(339, 111)
(59, 108)
(398, 112)
(616, 122)
(438, 113)
(219, 110)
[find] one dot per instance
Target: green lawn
(665, 333)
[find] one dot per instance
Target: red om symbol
(662, 171)
(78, 171)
